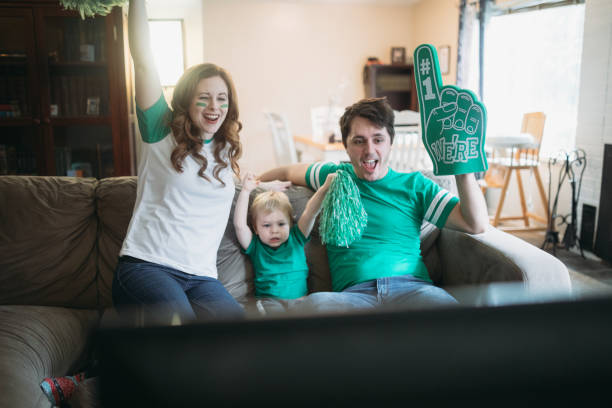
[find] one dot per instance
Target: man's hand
(453, 121)
(275, 185)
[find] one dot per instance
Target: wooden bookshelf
(395, 82)
(64, 87)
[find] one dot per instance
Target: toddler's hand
(275, 185)
(249, 182)
(328, 181)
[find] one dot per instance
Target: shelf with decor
(396, 82)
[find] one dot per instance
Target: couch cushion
(48, 239)
(234, 269)
(319, 278)
(38, 342)
(115, 203)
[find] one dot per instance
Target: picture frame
(93, 106)
(444, 59)
(398, 55)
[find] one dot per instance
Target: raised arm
(313, 207)
(243, 232)
(295, 173)
(470, 214)
(146, 78)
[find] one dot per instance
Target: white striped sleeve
(314, 175)
(441, 205)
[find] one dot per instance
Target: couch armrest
(495, 256)
(38, 342)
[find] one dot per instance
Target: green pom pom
(89, 8)
(343, 218)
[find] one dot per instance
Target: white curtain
(467, 57)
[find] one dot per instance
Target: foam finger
(464, 103)
(474, 119)
(448, 95)
(428, 79)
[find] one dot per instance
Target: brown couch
(59, 240)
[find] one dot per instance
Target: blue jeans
(162, 293)
(405, 292)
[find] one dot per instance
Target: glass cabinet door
(77, 70)
(20, 136)
(76, 99)
(83, 151)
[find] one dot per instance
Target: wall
(436, 22)
(289, 56)
(594, 127)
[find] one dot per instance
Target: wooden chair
(519, 158)
(284, 147)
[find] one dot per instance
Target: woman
(167, 263)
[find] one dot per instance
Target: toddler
(276, 249)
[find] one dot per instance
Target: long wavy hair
(185, 132)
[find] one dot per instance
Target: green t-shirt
(396, 206)
(280, 272)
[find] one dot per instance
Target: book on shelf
(58, 99)
(63, 160)
(71, 40)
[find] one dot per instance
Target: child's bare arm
(313, 207)
(243, 232)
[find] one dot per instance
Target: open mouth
(369, 165)
(211, 119)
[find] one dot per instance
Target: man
(385, 266)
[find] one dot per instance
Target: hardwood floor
(588, 275)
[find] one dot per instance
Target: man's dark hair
(376, 110)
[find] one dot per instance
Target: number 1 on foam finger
(429, 95)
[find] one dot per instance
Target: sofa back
(48, 230)
(60, 238)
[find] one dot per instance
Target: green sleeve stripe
(307, 175)
(434, 203)
(317, 173)
(444, 209)
(153, 123)
(312, 175)
(438, 207)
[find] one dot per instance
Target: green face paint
(202, 104)
(224, 106)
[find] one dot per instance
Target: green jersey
(396, 206)
(280, 272)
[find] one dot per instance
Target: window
(167, 45)
(532, 63)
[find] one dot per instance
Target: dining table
(309, 150)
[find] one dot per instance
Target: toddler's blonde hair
(270, 201)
